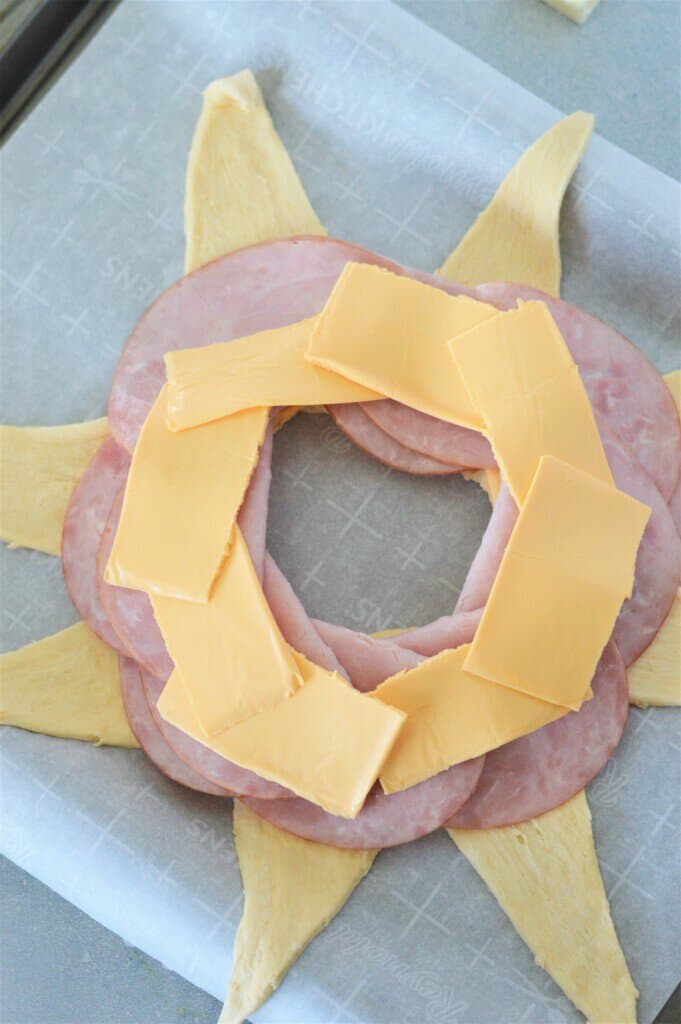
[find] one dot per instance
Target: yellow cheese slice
(566, 570)
(292, 889)
(576, 10)
(655, 677)
(39, 467)
(263, 369)
(390, 334)
(233, 660)
(66, 685)
(241, 187)
(545, 876)
(452, 716)
(516, 237)
(327, 742)
(181, 501)
(520, 376)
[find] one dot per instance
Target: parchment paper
(401, 138)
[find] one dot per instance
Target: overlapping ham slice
(205, 762)
(149, 736)
(129, 611)
(537, 772)
(355, 421)
(430, 436)
(84, 524)
(278, 283)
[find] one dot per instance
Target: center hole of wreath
(362, 545)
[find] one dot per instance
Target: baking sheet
(401, 138)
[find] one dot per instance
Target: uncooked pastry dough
(242, 187)
(65, 685)
(39, 467)
(292, 889)
(545, 875)
(655, 677)
(516, 237)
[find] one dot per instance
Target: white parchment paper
(401, 138)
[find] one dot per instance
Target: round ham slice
(366, 659)
(675, 506)
(149, 737)
(129, 611)
(485, 565)
(254, 289)
(542, 770)
(445, 633)
(354, 421)
(205, 763)
(385, 820)
(623, 385)
(84, 524)
(253, 512)
(658, 562)
(430, 436)
(293, 621)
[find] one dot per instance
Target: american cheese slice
(181, 501)
(520, 376)
(452, 716)
(327, 742)
(390, 334)
(268, 368)
(292, 889)
(39, 468)
(566, 570)
(233, 660)
(242, 187)
(65, 685)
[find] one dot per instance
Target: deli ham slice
(84, 524)
(129, 611)
(367, 660)
(445, 633)
(354, 421)
(675, 506)
(430, 436)
(485, 565)
(625, 389)
(542, 770)
(216, 770)
(658, 562)
(253, 512)
(149, 737)
(385, 820)
(293, 621)
(254, 289)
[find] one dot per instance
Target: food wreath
(333, 744)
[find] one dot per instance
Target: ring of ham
(278, 283)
